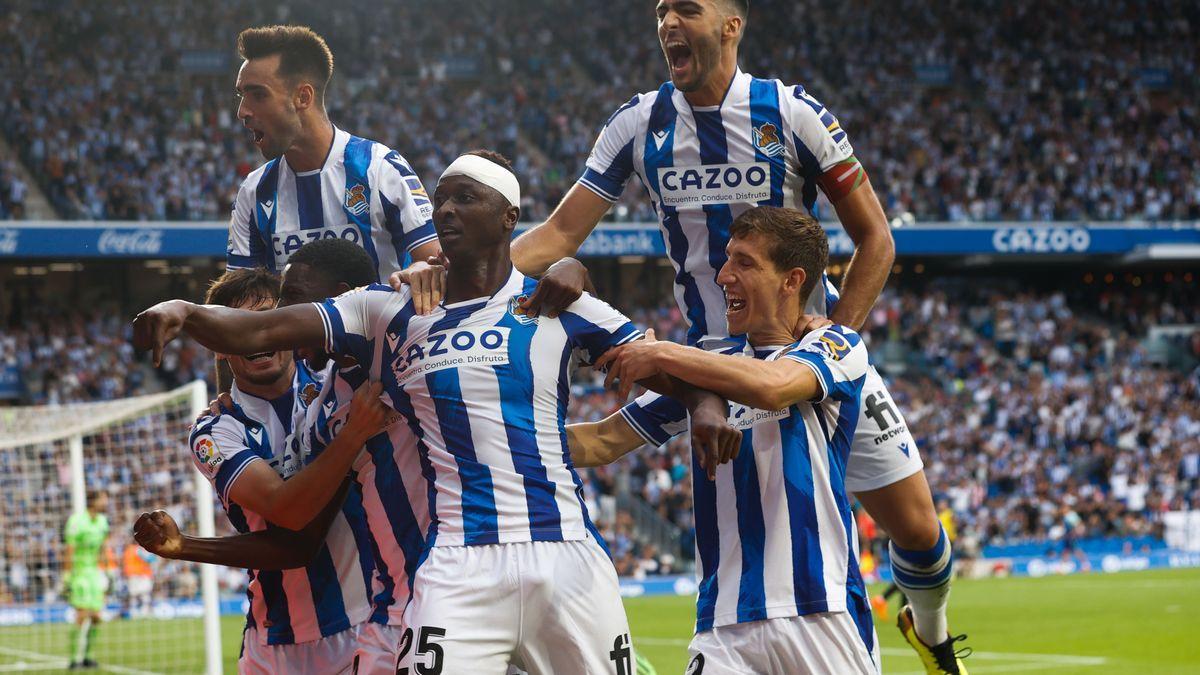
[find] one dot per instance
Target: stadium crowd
(983, 110)
(1039, 414)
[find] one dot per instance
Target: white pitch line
(1038, 661)
(47, 660)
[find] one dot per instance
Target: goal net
(156, 615)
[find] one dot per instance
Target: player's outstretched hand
(561, 285)
(158, 533)
(808, 323)
(427, 280)
(155, 327)
(368, 414)
(713, 439)
(631, 362)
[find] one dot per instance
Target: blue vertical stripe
(764, 110)
(714, 149)
(808, 575)
(752, 534)
(327, 597)
(357, 159)
(262, 248)
(663, 118)
(516, 406)
(308, 201)
(356, 518)
(480, 519)
(708, 542)
(270, 582)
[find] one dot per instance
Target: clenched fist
(158, 533)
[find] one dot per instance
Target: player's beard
(706, 56)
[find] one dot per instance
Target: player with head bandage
(708, 145)
(513, 571)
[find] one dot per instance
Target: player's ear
(305, 95)
(340, 288)
(794, 280)
(511, 217)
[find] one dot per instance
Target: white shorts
(545, 607)
(331, 655)
(377, 649)
(883, 450)
(816, 643)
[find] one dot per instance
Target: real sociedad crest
(519, 313)
(766, 139)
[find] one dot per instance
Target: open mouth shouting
(260, 357)
(679, 57)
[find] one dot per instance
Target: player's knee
(920, 532)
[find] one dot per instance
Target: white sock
(925, 576)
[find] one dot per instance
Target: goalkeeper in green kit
(85, 536)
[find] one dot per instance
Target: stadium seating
(960, 111)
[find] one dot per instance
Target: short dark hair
(94, 496)
(740, 7)
(236, 287)
(795, 239)
(340, 260)
(302, 53)
(494, 157)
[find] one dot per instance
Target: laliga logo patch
(766, 139)
(207, 456)
(519, 313)
(356, 202)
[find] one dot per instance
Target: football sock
(924, 577)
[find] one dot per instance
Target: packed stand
(75, 355)
(990, 110)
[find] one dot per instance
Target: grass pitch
(1094, 624)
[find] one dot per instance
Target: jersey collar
(736, 94)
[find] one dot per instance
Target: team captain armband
(842, 178)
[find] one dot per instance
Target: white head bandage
(487, 172)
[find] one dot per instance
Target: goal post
(158, 616)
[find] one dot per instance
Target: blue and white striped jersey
(766, 144)
(395, 498)
(366, 193)
(775, 536)
(332, 593)
(484, 389)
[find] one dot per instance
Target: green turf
(1133, 622)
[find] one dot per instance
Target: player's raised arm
(274, 548)
(863, 219)
(608, 169)
(228, 331)
(830, 161)
(563, 232)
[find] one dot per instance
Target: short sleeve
(838, 357)
(656, 418)
(244, 248)
(349, 318)
(219, 451)
(822, 147)
(611, 162)
(405, 210)
(595, 327)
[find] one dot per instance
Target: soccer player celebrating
(85, 536)
(319, 181)
(780, 589)
(514, 570)
(306, 619)
(710, 144)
